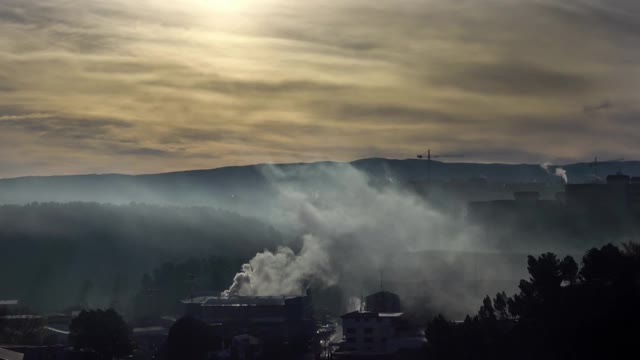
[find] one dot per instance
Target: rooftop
(20, 317)
(368, 314)
(10, 355)
(239, 300)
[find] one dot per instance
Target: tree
(563, 311)
(487, 312)
(102, 331)
(500, 305)
(190, 339)
(569, 270)
(605, 264)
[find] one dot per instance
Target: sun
(227, 5)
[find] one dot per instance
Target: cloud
(512, 78)
(605, 105)
(283, 80)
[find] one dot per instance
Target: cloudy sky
(90, 86)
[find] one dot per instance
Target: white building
(370, 334)
(10, 355)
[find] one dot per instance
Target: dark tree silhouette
(101, 331)
(563, 311)
(190, 339)
(500, 306)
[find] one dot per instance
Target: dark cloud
(7, 88)
(12, 14)
(616, 19)
(605, 105)
(146, 152)
(61, 126)
(231, 86)
(511, 78)
(389, 114)
(199, 135)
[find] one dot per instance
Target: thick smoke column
(283, 272)
(352, 230)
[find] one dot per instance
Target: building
(6, 354)
(377, 335)
(35, 353)
(272, 319)
(9, 303)
(368, 332)
(619, 195)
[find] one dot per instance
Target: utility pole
(429, 167)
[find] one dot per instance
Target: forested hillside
(59, 254)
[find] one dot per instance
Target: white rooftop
(10, 355)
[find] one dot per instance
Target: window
(351, 330)
(368, 340)
(351, 339)
(368, 330)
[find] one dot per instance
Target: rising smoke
(558, 171)
(352, 230)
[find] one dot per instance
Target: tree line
(565, 310)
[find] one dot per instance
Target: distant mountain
(247, 184)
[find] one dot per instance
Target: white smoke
(352, 231)
(354, 304)
(283, 272)
(558, 171)
(562, 173)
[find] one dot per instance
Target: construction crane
(595, 163)
(429, 156)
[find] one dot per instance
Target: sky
(147, 86)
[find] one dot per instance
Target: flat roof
(20, 317)
(239, 300)
(369, 314)
(58, 331)
(10, 355)
(150, 330)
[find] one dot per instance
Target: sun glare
(227, 5)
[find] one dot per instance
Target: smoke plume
(562, 173)
(283, 272)
(558, 171)
(351, 231)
